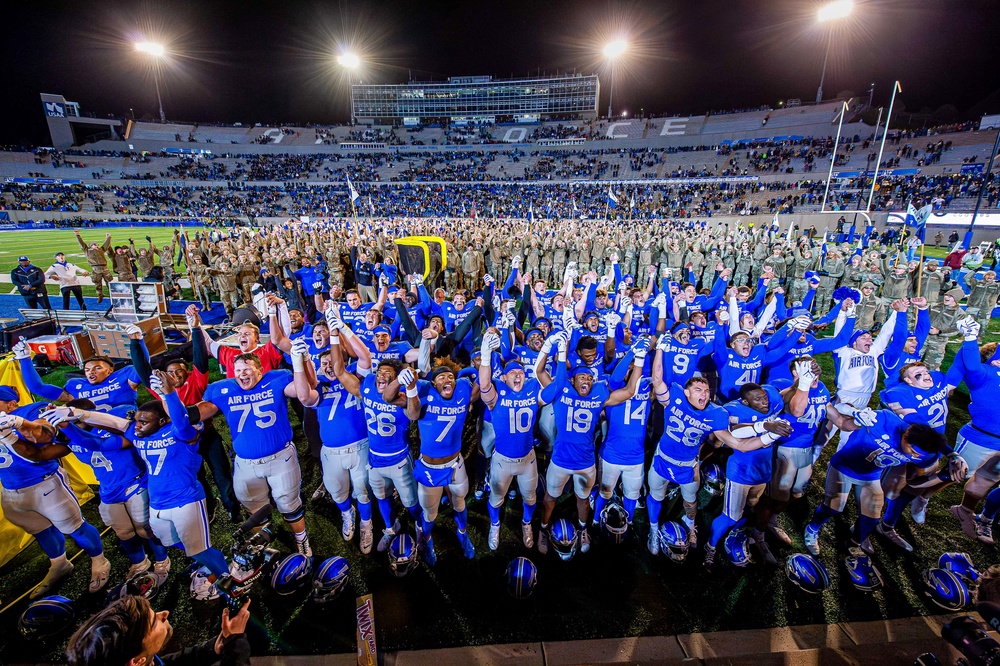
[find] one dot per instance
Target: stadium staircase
(885, 642)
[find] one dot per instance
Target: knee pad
(292, 516)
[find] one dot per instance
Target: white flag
(353, 192)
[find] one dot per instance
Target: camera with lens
(252, 558)
(970, 638)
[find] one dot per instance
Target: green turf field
(610, 592)
(41, 246)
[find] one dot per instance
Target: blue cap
(810, 275)
(590, 313)
(8, 393)
(513, 364)
(858, 334)
(799, 312)
(23, 258)
(263, 270)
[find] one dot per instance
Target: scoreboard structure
(475, 100)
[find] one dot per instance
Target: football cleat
(584, 539)
(984, 529)
(303, 546)
(892, 535)
(319, 493)
(966, 519)
(99, 575)
(918, 510)
(527, 535)
(614, 521)
(653, 544)
(862, 572)
(522, 577)
(143, 584)
(366, 536)
(775, 528)
(330, 580)
(811, 537)
(347, 520)
(291, 574)
(387, 536)
(53, 577)
(468, 549)
(493, 540)
(807, 573)
(946, 589)
(564, 539)
(709, 561)
(430, 557)
(673, 541)
(161, 570)
(138, 568)
(758, 544)
(543, 541)
(866, 546)
(402, 554)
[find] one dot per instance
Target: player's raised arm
(491, 342)
(302, 388)
(619, 396)
(36, 432)
(180, 423)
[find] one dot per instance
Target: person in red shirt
(953, 262)
(190, 382)
(248, 339)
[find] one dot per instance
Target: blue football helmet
(961, 564)
(330, 579)
(863, 573)
(402, 555)
(737, 547)
(614, 521)
(291, 574)
(674, 541)
(808, 573)
(563, 538)
(713, 479)
(46, 617)
(946, 589)
(522, 576)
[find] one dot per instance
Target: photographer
(130, 633)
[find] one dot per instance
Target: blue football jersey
(680, 361)
(576, 425)
(120, 473)
(172, 465)
(257, 418)
(627, 421)
(685, 428)
(17, 472)
(114, 391)
(931, 404)
(870, 450)
(804, 427)
(340, 415)
(513, 417)
(442, 421)
(396, 351)
(387, 425)
(752, 467)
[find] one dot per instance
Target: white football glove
(318, 286)
(21, 349)
(332, 312)
(604, 282)
(383, 281)
(490, 343)
(660, 300)
(132, 329)
(192, 320)
(611, 321)
(968, 327)
(10, 421)
(851, 311)
(957, 467)
(155, 384)
(488, 279)
(515, 261)
(569, 320)
(865, 417)
(58, 415)
(801, 323)
(7, 435)
(624, 304)
(724, 316)
(561, 342)
(805, 373)
(300, 347)
(405, 377)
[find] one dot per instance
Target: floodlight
(835, 10)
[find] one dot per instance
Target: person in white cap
(66, 274)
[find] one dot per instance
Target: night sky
(256, 61)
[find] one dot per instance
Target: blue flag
(612, 199)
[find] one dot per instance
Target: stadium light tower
(350, 62)
(612, 51)
(156, 51)
(833, 11)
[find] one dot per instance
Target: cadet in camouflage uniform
(558, 261)
(472, 264)
(982, 296)
(943, 318)
(645, 258)
(829, 278)
(545, 272)
(897, 283)
(97, 257)
(532, 257)
(744, 264)
(144, 259)
(871, 309)
(804, 261)
(226, 280)
(202, 283)
(123, 264)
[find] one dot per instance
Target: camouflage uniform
(226, 280)
(943, 318)
(834, 270)
(97, 257)
(982, 299)
(123, 266)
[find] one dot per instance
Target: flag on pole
(822, 250)
(918, 219)
(631, 203)
(493, 208)
(353, 192)
(531, 212)
(777, 225)
(612, 199)
(371, 206)
(575, 209)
